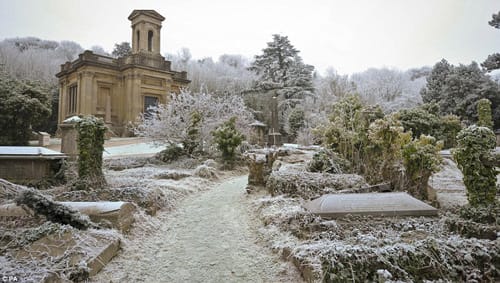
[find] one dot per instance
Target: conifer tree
(281, 73)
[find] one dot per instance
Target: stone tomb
(29, 164)
(376, 204)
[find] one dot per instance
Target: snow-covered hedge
(309, 185)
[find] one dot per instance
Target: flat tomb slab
(376, 204)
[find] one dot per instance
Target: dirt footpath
(211, 237)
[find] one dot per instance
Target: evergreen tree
(493, 60)
(281, 73)
(23, 105)
(435, 81)
(457, 89)
(121, 50)
(228, 138)
(281, 67)
(495, 20)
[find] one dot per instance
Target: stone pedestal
(43, 139)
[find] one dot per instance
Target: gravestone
(91, 249)
(376, 204)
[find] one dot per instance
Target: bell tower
(146, 28)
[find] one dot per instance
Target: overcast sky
(349, 35)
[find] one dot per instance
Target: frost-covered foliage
(281, 67)
(484, 113)
(308, 185)
(392, 89)
(383, 153)
(474, 157)
(121, 49)
(373, 249)
(426, 120)
(205, 171)
(281, 73)
(170, 153)
(295, 121)
(53, 211)
(228, 75)
(227, 138)
(24, 105)
(150, 187)
(347, 130)
(493, 61)
(327, 161)
(66, 261)
(480, 222)
(421, 158)
(91, 132)
(457, 89)
(36, 59)
(170, 123)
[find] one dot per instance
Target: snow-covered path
(211, 237)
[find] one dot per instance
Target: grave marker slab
(376, 204)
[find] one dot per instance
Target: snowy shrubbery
(309, 185)
(369, 249)
(190, 118)
(205, 171)
(327, 161)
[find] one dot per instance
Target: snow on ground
(211, 237)
(449, 186)
(132, 149)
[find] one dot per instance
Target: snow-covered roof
(29, 151)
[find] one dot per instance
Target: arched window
(138, 35)
(150, 40)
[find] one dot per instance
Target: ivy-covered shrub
(473, 155)
(484, 113)
(421, 158)
(91, 132)
(228, 138)
(327, 161)
(480, 222)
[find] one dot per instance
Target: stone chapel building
(119, 89)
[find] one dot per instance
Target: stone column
(62, 102)
(107, 117)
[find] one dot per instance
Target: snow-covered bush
(204, 171)
(170, 123)
(171, 153)
(227, 138)
(308, 185)
(376, 249)
(327, 161)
